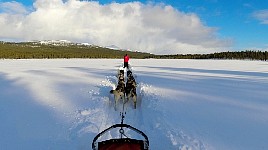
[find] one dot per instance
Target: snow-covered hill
(59, 43)
(183, 104)
(69, 43)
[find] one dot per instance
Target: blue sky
(233, 18)
(244, 23)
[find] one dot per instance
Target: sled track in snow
(149, 117)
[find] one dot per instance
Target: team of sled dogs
(125, 91)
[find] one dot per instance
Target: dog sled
(123, 142)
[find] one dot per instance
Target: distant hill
(62, 49)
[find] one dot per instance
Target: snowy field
(183, 104)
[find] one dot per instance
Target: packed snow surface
(54, 104)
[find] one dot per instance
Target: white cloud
(261, 15)
(155, 28)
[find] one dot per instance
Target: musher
(126, 59)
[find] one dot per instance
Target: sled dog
(130, 89)
(121, 77)
(120, 74)
(119, 92)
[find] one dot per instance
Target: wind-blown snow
(182, 104)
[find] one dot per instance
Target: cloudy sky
(160, 26)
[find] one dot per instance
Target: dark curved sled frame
(141, 144)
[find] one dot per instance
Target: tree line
(33, 50)
(29, 50)
(248, 54)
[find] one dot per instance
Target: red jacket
(126, 58)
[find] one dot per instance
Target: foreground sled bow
(122, 143)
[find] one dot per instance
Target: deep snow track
(149, 117)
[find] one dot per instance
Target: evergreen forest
(37, 50)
